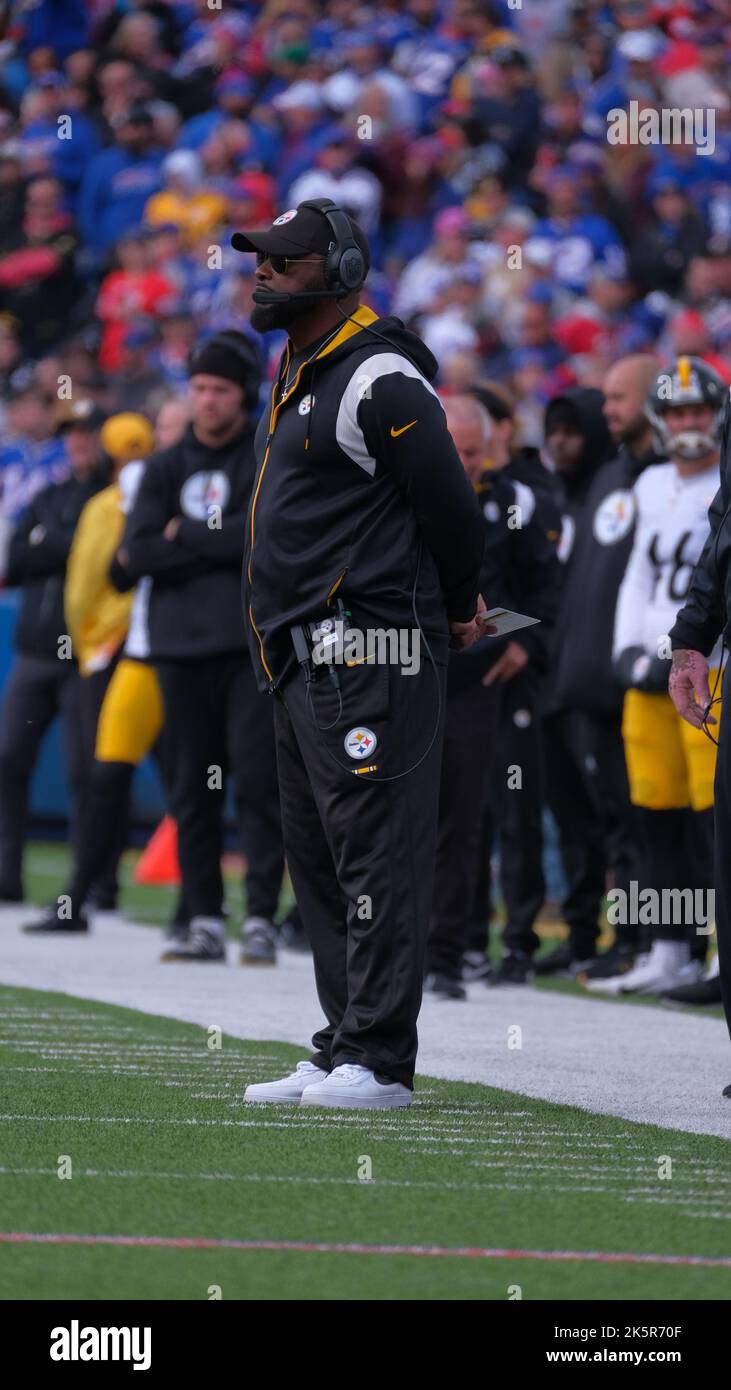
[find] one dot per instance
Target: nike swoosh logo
(396, 433)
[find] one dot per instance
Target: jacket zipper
(273, 414)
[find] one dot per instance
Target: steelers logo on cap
(285, 217)
(360, 742)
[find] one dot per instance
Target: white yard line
(655, 1066)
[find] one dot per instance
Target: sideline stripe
(350, 1248)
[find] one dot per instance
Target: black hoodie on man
(584, 406)
(585, 677)
(195, 604)
(359, 493)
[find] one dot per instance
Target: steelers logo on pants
(360, 742)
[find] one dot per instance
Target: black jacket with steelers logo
(359, 493)
(585, 677)
(195, 604)
(520, 571)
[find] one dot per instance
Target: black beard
(265, 317)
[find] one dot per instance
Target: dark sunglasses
(279, 263)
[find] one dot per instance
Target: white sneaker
(352, 1087)
(655, 981)
(288, 1088)
(613, 984)
(667, 966)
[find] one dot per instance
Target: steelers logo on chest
(614, 517)
(203, 491)
(491, 511)
(305, 405)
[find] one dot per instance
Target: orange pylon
(158, 862)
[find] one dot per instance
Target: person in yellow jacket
(97, 615)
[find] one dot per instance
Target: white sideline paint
(654, 1066)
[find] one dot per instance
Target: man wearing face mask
(361, 514)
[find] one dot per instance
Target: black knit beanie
(230, 355)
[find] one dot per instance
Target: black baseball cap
(295, 232)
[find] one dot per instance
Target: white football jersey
(672, 528)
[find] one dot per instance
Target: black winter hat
(233, 356)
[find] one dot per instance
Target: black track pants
(361, 852)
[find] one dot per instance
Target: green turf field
(160, 1145)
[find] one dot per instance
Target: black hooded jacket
(359, 493)
(572, 496)
(195, 604)
(37, 555)
(585, 677)
(520, 571)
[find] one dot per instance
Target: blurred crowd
(467, 137)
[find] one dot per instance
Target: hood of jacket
(586, 405)
(391, 329)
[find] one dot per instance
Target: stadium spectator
(450, 252)
(580, 240)
(38, 282)
(119, 181)
(660, 260)
(137, 380)
(131, 292)
(182, 202)
(336, 174)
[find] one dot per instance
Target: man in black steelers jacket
(360, 509)
(520, 571)
(186, 530)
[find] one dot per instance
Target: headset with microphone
(344, 269)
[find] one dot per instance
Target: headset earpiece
(345, 268)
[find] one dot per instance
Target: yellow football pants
(669, 763)
(131, 714)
